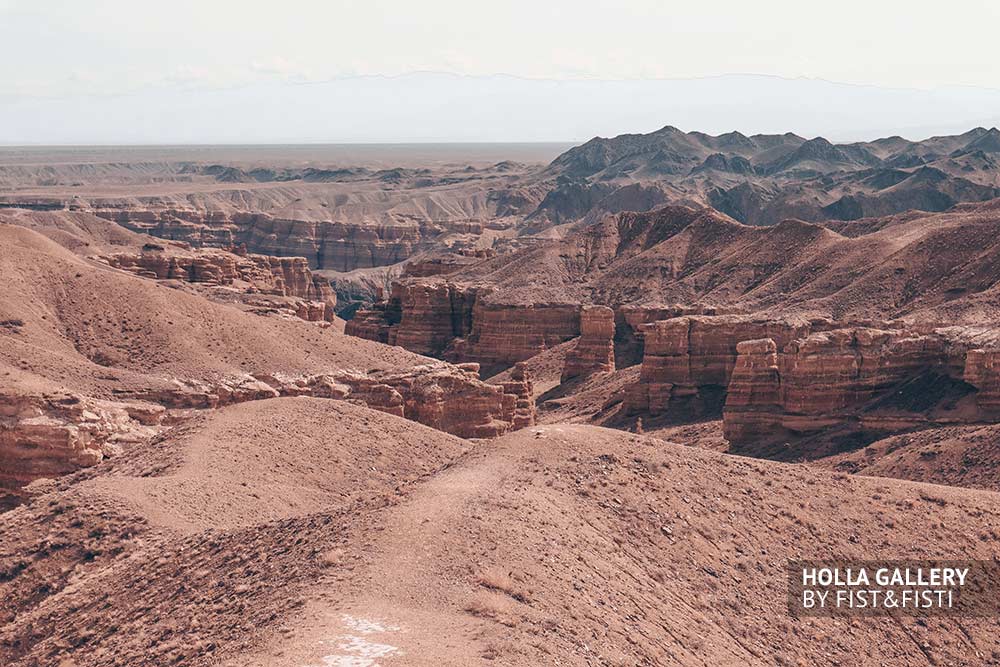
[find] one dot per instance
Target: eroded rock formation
(503, 334)
(46, 435)
(982, 371)
(688, 360)
(450, 398)
(753, 398)
(463, 324)
(50, 435)
(629, 333)
(519, 385)
(340, 246)
(314, 299)
(854, 376)
(595, 350)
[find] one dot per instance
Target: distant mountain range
(763, 179)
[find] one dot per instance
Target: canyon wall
(783, 379)
(594, 351)
(629, 321)
(982, 371)
(334, 245)
(860, 378)
(753, 397)
(503, 334)
(687, 361)
(462, 324)
(51, 435)
(279, 276)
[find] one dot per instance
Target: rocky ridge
(312, 297)
(94, 357)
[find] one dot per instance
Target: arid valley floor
(525, 404)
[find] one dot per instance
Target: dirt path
(401, 609)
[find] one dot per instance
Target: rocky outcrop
(46, 435)
(328, 244)
(51, 435)
(431, 316)
(340, 246)
(449, 398)
(503, 334)
(374, 323)
(828, 379)
(753, 397)
(203, 395)
(595, 350)
(834, 370)
(687, 361)
(629, 333)
(313, 297)
(982, 371)
(520, 385)
(463, 324)
(445, 263)
(421, 317)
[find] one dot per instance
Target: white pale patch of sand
(354, 649)
(366, 626)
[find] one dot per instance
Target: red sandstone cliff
(279, 276)
(594, 351)
(464, 324)
(688, 360)
(856, 377)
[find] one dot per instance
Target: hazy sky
(142, 71)
(56, 47)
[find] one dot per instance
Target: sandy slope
(360, 536)
(580, 545)
(953, 455)
(202, 541)
(81, 326)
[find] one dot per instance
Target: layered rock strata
(595, 349)
(520, 385)
(328, 244)
(832, 378)
(431, 316)
(982, 371)
(753, 397)
(463, 324)
(687, 361)
(629, 334)
(314, 298)
(51, 435)
(503, 334)
(421, 317)
(450, 398)
(443, 264)
(46, 435)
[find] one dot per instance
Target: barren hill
(763, 179)
(560, 543)
(505, 459)
(933, 267)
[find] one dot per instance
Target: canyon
(121, 301)
(345, 217)
(264, 406)
(312, 298)
(861, 348)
